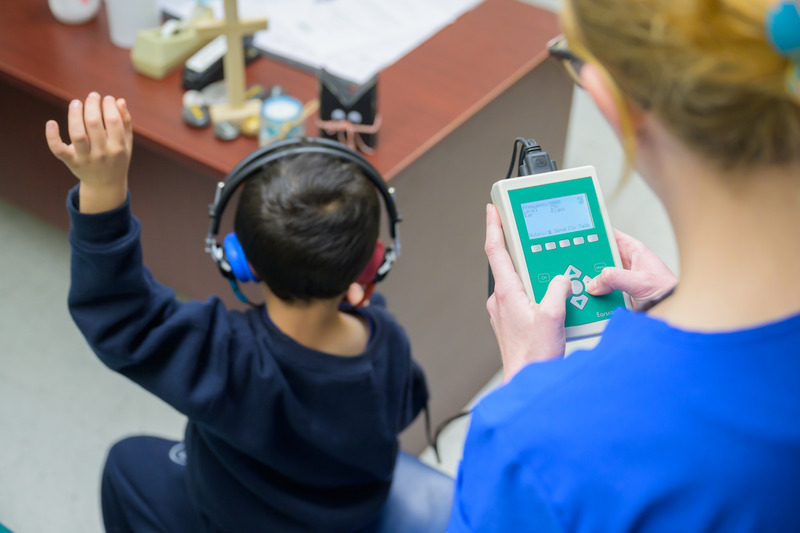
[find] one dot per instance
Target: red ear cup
(375, 262)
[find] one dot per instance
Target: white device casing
(500, 198)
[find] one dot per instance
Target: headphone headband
(287, 148)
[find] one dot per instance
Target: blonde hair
(705, 67)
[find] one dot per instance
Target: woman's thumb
(617, 279)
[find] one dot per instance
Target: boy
(294, 407)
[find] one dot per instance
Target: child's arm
(180, 352)
(100, 152)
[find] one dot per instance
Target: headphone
(229, 257)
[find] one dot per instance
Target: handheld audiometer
(556, 223)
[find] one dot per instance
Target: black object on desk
(348, 112)
(205, 66)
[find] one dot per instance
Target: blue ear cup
(234, 255)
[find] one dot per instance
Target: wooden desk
(451, 109)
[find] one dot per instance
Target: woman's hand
(526, 331)
(643, 276)
(100, 151)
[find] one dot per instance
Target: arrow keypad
(578, 299)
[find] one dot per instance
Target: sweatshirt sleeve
(177, 351)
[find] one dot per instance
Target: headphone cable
(238, 292)
(433, 437)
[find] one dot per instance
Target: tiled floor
(60, 408)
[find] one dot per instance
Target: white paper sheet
(352, 39)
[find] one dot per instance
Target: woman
(686, 416)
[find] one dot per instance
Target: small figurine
(196, 105)
(349, 112)
(195, 110)
(226, 130)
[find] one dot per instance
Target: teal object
(783, 32)
(586, 259)
(4, 529)
(783, 29)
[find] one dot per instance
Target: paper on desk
(352, 39)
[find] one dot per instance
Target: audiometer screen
(555, 216)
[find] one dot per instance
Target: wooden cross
(234, 29)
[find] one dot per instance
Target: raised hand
(99, 154)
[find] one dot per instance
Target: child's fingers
(122, 107)
(93, 118)
(77, 131)
(113, 121)
(54, 142)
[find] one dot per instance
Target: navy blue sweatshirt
(280, 437)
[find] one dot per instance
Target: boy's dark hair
(308, 225)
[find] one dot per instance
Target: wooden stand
(236, 109)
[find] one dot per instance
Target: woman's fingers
(505, 277)
(550, 316)
(628, 247)
(525, 332)
(614, 279)
(553, 307)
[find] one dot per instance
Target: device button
(564, 243)
(586, 280)
(577, 287)
(536, 248)
(578, 240)
(550, 246)
(572, 272)
(544, 278)
(598, 267)
(579, 301)
(592, 237)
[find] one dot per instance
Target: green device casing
(557, 223)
